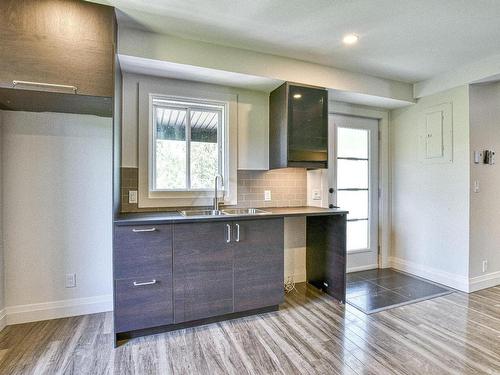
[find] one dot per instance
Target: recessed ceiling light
(350, 39)
(297, 96)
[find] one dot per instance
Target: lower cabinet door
(143, 303)
(258, 264)
(203, 270)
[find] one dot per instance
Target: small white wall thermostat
(478, 156)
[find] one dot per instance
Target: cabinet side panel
(278, 128)
(326, 254)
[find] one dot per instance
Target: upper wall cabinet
(57, 48)
(298, 127)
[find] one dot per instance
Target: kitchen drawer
(142, 251)
(143, 306)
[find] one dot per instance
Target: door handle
(228, 233)
(237, 232)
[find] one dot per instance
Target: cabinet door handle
(143, 230)
(237, 232)
(72, 89)
(145, 283)
(228, 233)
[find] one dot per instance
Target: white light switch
(132, 196)
(267, 195)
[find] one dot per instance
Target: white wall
(430, 202)
(56, 214)
(485, 205)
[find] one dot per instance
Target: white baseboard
(484, 281)
(362, 268)
(438, 276)
(298, 277)
(58, 309)
(3, 319)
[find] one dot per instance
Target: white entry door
(355, 177)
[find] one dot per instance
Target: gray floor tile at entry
(382, 289)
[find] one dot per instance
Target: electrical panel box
(436, 134)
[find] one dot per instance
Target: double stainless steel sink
(227, 212)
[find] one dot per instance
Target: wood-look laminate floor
(311, 334)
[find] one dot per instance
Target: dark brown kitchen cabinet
(143, 302)
(142, 269)
(142, 251)
(258, 264)
(203, 270)
(298, 127)
(225, 267)
(166, 274)
(56, 42)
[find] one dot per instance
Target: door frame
(384, 173)
(363, 258)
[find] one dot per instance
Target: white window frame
(146, 87)
(188, 104)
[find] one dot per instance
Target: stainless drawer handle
(237, 232)
(145, 283)
(228, 233)
(72, 89)
(143, 230)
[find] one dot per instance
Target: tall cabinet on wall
(57, 56)
(298, 127)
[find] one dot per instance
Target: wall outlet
(316, 195)
(267, 195)
(132, 196)
(70, 280)
(485, 266)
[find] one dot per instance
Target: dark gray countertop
(169, 217)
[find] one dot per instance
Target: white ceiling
(407, 40)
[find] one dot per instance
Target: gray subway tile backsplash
(288, 188)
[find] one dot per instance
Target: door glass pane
(356, 202)
(170, 153)
(357, 235)
(352, 143)
(352, 174)
(204, 148)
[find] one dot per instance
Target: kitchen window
(187, 144)
(187, 134)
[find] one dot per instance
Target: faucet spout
(216, 195)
